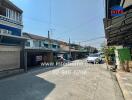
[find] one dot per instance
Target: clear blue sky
(78, 19)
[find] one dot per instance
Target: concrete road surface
(75, 81)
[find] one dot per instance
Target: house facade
(118, 27)
(40, 49)
(64, 50)
(11, 39)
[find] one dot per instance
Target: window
(46, 45)
(9, 32)
(36, 43)
(39, 43)
(0, 30)
(5, 31)
(58, 46)
(8, 13)
(54, 46)
(27, 44)
(18, 18)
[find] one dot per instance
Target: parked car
(62, 59)
(94, 58)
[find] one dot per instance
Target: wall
(40, 44)
(118, 63)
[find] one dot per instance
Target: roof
(73, 44)
(37, 37)
(62, 42)
(12, 5)
(33, 36)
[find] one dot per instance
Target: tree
(109, 52)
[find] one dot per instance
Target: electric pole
(48, 34)
(49, 39)
(70, 47)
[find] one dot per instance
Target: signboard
(117, 11)
(39, 58)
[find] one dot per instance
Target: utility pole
(49, 39)
(48, 34)
(70, 47)
(50, 23)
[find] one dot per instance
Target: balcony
(9, 20)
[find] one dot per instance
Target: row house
(118, 28)
(71, 51)
(77, 51)
(64, 50)
(40, 49)
(11, 39)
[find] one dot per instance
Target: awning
(118, 30)
(13, 36)
(37, 50)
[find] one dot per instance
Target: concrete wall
(64, 47)
(9, 57)
(118, 63)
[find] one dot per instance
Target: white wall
(118, 63)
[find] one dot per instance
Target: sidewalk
(125, 82)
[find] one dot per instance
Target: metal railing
(4, 18)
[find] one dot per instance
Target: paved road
(75, 81)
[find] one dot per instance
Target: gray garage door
(9, 57)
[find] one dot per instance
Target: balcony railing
(42, 47)
(3, 18)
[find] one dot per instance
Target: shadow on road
(26, 86)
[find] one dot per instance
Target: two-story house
(11, 40)
(64, 50)
(40, 49)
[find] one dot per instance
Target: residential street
(75, 81)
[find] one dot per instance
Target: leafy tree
(109, 52)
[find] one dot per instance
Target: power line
(69, 30)
(36, 20)
(96, 38)
(50, 14)
(50, 22)
(79, 26)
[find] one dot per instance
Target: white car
(94, 58)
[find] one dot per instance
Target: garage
(34, 57)
(9, 57)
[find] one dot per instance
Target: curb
(124, 90)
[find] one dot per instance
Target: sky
(78, 20)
